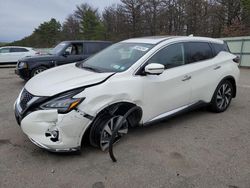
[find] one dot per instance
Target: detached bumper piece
(114, 133)
(54, 150)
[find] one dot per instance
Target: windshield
(58, 48)
(116, 58)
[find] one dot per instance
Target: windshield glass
(58, 48)
(116, 58)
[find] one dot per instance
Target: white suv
(11, 54)
(162, 76)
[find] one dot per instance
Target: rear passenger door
(91, 48)
(18, 53)
(202, 66)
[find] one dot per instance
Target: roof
(149, 40)
(159, 39)
(69, 41)
(14, 47)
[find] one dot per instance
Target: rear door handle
(186, 77)
(217, 67)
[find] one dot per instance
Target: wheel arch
(121, 108)
(114, 109)
(231, 79)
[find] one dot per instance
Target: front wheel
(102, 130)
(38, 70)
(222, 97)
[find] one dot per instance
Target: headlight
(64, 103)
(22, 65)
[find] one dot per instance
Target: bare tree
(71, 28)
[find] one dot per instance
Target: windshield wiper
(91, 68)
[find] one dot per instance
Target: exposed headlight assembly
(22, 64)
(64, 103)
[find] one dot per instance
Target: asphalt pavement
(197, 149)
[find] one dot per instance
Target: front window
(170, 56)
(74, 49)
(58, 48)
(116, 58)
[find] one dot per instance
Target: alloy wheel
(224, 96)
(38, 71)
(108, 131)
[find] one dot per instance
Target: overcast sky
(18, 18)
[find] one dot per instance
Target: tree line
(135, 18)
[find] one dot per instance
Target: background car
(64, 53)
(11, 54)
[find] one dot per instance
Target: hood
(40, 58)
(63, 78)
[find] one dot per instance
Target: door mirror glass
(154, 68)
(66, 53)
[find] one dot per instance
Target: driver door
(71, 54)
(169, 91)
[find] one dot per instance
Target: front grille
(25, 98)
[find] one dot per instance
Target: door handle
(217, 67)
(186, 77)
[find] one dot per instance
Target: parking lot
(197, 149)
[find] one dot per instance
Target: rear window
(4, 50)
(18, 50)
(197, 51)
(220, 47)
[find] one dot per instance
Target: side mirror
(154, 68)
(66, 53)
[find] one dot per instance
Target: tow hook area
(53, 133)
(117, 128)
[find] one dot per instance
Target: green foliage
(3, 43)
(92, 28)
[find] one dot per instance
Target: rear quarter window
(92, 48)
(18, 50)
(197, 51)
(220, 47)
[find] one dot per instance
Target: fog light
(53, 134)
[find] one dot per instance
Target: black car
(64, 53)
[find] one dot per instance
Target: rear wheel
(222, 97)
(38, 70)
(102, 130)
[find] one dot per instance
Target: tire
(101, 130)
(222, 97)
(38, 70)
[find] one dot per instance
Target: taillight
(237, 59)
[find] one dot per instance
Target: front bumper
(39, 126)
(54, 150)
(23, 73)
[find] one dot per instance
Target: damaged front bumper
(53, 131)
